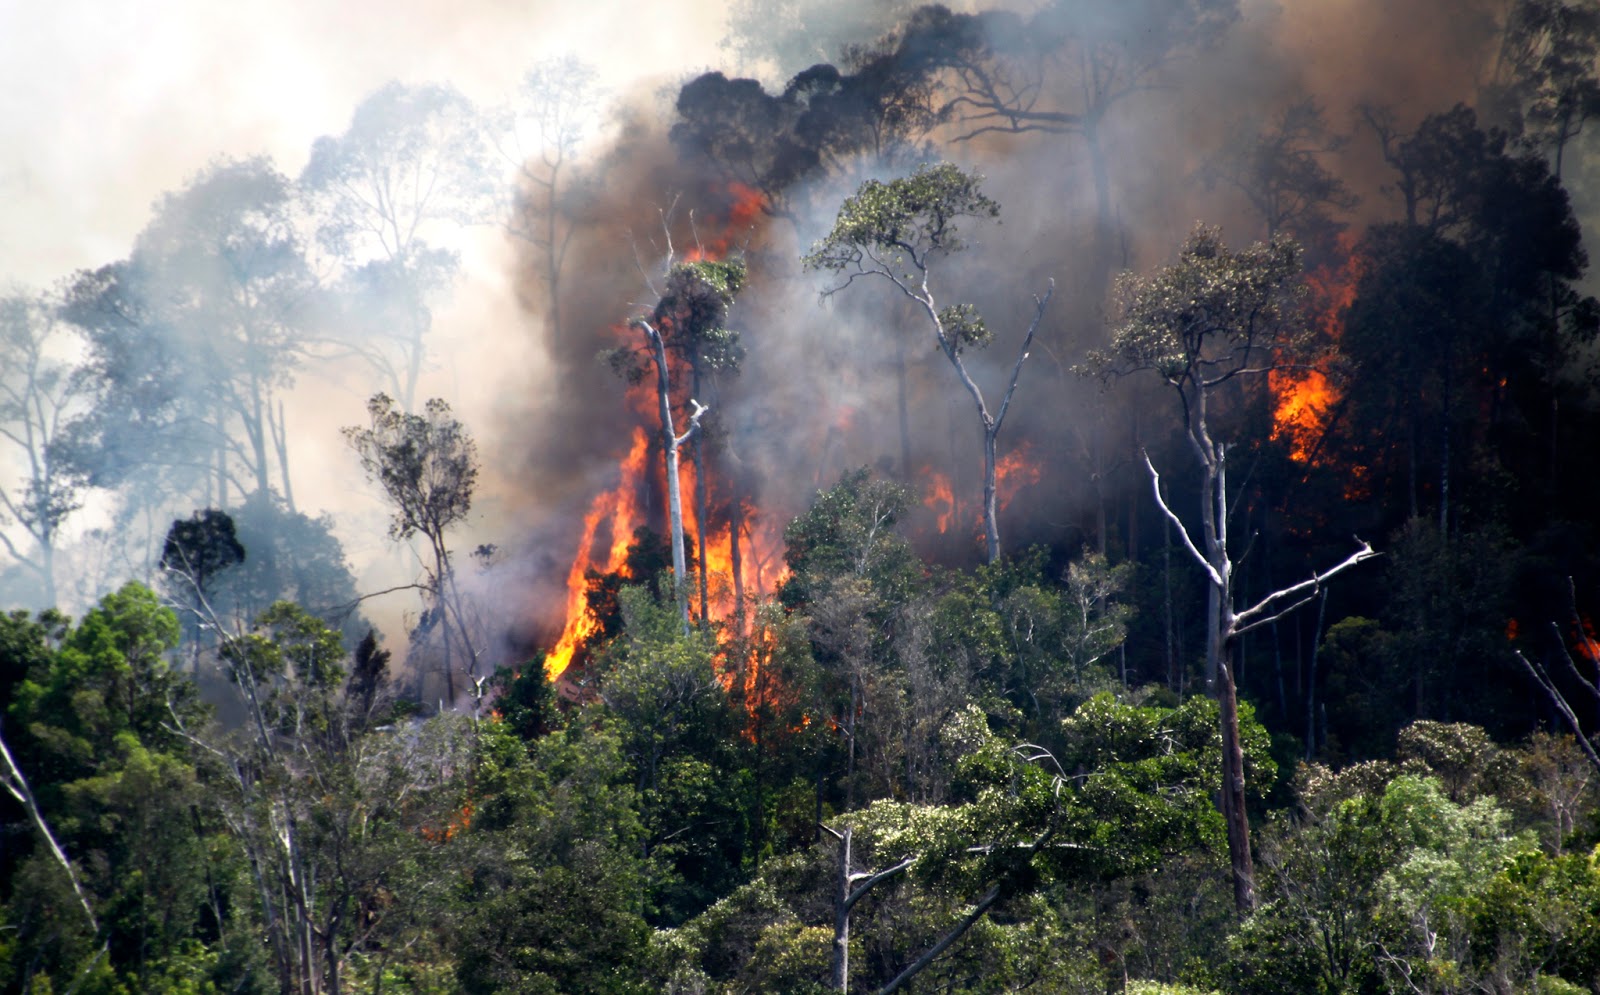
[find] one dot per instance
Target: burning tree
(1205, 325)
(898, 231)
(689, 318)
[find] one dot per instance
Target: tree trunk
(991, 527)
(839, 964)
(701, 503)
(1233, 787)
(902, 404)
(670, 443)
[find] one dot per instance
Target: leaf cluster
(886, 226)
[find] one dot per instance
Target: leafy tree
(39, 395)
(538, 133)
(676, 727)
(331, 815)
(898, 231)
(1214, 318)
(408, 170)
(557, 841)
(427, 466)
(93, 726)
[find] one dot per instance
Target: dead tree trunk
(990, 423)
(850, 887)
(1223, 628)
(670, 443)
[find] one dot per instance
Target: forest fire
(1306, 397)
(618, 508)
(1013, 472)
(939, 498)
(741, 548)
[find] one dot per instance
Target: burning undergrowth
(1089, 182)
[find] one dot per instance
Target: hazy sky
(106, 104)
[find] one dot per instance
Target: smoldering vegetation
(196, 364)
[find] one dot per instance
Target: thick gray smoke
(1089, 185)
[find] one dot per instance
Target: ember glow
(1306, 398)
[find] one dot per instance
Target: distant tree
(197, 551)
(1279, 170)
(39, 395)
(1546, 82)
(1203, 325)
(427, 466)
(539, 132)
(409, 169)
(1061, 69)
(1496, 223)
(900, 231)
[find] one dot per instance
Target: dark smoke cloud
(817, 392)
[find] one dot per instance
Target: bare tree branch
(1155, 484)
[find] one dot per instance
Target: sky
(106, 104)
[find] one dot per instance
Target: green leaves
(426, 464)
(909, 218)
(1213, 314)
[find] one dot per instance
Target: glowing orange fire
(1305, 398)
(1013, 472)
(616, 513)
(618, 507)
(743, 213)
(940, 498)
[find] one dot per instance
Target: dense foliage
(1283, 676)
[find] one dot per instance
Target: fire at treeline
(1078, 497)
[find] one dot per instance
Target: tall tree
(1204, 325)
(427, 466)
(193, 336)
(538, 133)
(389, 194)
(900, 232)
(39, 395)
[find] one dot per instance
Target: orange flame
(619, 508)
(745, 209)
(940, 498)
(1013, 472)
(1305, 398)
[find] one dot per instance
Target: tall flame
(1305, 398)
(615, 513)
(619, 508)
